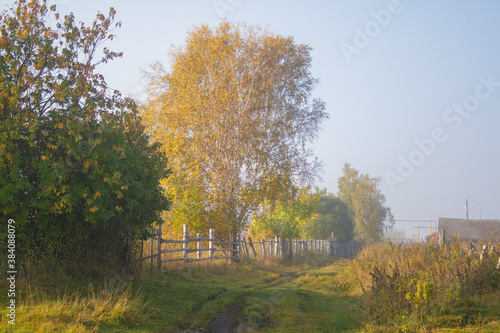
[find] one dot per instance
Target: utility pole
(467, 208)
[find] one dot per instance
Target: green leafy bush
(77, 173)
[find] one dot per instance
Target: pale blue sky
(417, 61)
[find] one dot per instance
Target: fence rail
(293, 247)
(199, 249)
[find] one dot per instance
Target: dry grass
(424, 286)
(83, 311)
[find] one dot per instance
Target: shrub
(422, 282)
(77, 173)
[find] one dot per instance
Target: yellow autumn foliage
(235, 116)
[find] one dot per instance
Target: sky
(412, 87)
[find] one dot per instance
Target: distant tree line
(356, 212)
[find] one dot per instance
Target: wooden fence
(180, 253)
(290, 247)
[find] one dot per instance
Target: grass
(266, 296)
(85, 309)
(424, 287)
(311, 294)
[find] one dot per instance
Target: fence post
(237, 248)
(442, 237)
(234, 246)
(158, 258)
(246, 247)
(152, 239)
(228, 260)
(284, 247)
(264, 248)
(142, 252)
(251, 246)
(290, 249)
(185, 237)
(211, 236)
(198, 246)
(483, 252)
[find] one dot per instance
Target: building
(470, 229)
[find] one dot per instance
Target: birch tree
(366, 204)
(235, 114)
